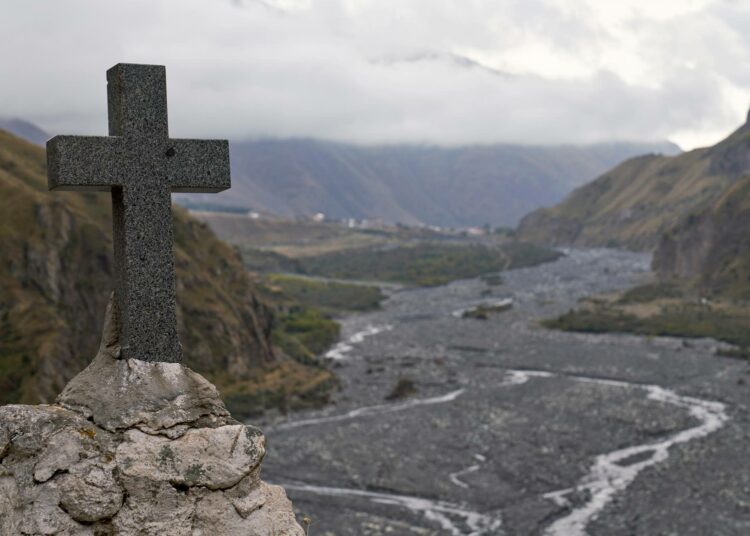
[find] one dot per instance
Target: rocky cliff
(56, 278)
(711, 247)
(135, 448)
(635, 203)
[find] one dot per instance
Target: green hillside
(711, 248)
(693, 212)
(635, 203)
(56, 278)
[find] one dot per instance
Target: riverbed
(515, 429)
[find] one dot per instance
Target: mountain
(24, 129)
(463, 186)
(56, 278)
(711, 247)
(635, 203)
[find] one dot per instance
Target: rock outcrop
(711, 248)
(135, 448)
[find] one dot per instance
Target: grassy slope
(706, 254)
(425, 264)
(298, 239)
(55, 280)
(329, 296)
(636, 202)
(711, 248)
(659, 310)
(409, 255)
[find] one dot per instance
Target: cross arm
(83, 162)
(198, 165)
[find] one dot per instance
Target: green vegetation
(266, 261)
(302, 326)
(191, 204)
(634, 204)
(425, 264)
(303, 333)
(56, 279)
(684, 319)
(298, 328)
(483, 312)
(285, 385)
(525, 254)
(651, 292)
(328, 296)
(399, 254)
(422, 265)
(404, 388)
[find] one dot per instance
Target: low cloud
(375, 71)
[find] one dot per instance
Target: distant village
(374, 224)
(379, 225)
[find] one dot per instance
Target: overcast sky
(374, 71)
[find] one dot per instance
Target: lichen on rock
(135, 448)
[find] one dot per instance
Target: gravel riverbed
(519, 430)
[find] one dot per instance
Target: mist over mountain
(447, 186)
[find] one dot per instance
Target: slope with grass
(710, 249)
(703, 264)
(426, 263)
(635, 203)
(56, 278)
(393, 254)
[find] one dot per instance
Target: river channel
(514, 429)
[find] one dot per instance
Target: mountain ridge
(453, 186)
(414, 184)
(635, 203)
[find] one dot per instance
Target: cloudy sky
(385, 71)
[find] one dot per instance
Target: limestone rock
(90, 492)
(215, 514)
(62, 475)
(135, 448)
(117, 394)
(216, 458)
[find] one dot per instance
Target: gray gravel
(489, 446)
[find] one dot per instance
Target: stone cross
(140, 165)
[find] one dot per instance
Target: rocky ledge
(131, 448)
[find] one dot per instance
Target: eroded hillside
(635, 203)
(56, 278)
(711, 248)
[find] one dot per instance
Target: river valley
(518, 430)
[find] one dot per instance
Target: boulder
(135, 448)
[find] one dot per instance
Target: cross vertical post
(140, 165)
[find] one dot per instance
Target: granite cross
(140, 165)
